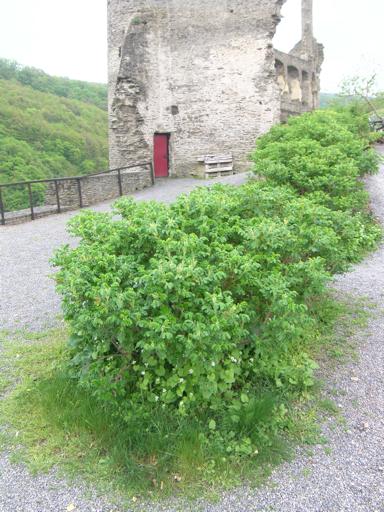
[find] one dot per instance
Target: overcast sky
(68, 37)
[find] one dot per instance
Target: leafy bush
(210, 305)
(323, 153)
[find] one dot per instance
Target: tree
(363, 88)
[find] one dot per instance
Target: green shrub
(318, 153)
(208, 307)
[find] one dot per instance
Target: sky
(351, 32)
(69, 38)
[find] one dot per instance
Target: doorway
(161, 155)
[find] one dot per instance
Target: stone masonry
(97, 188)
(205, 73)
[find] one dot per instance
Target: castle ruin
(201, 77)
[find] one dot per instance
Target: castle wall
(202, 71)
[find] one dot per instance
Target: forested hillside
(96, 94)
(326, 98)
(45, 135)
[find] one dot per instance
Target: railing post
(31, 201)
(152, 173)
(57, 197)
(80, 194)
(2, 208)
(120, 184)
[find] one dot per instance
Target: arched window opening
(281, 78)
(315, 91)
(294, 83)
(306, 88)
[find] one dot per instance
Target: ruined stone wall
(201, 70)
(298, 72)
(297, 80)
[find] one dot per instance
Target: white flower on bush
(190, 371)
(213, 364)
(233, 359)
(181, 380)
(143, 373)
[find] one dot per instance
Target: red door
(161, 155)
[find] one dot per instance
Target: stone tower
(199, 78)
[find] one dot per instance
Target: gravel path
(346, 477)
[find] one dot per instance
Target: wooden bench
(217, 165)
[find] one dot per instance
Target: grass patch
(54, 422)
(4, 383)
(352, 315)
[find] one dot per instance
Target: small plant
(363, 89)
(137, 21)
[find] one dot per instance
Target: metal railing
(78, 179)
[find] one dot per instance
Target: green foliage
(209, 307)
(361, 97)
(44, 136)
(363, 94)
(95, 94)
(321, 154)
(326, 99)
